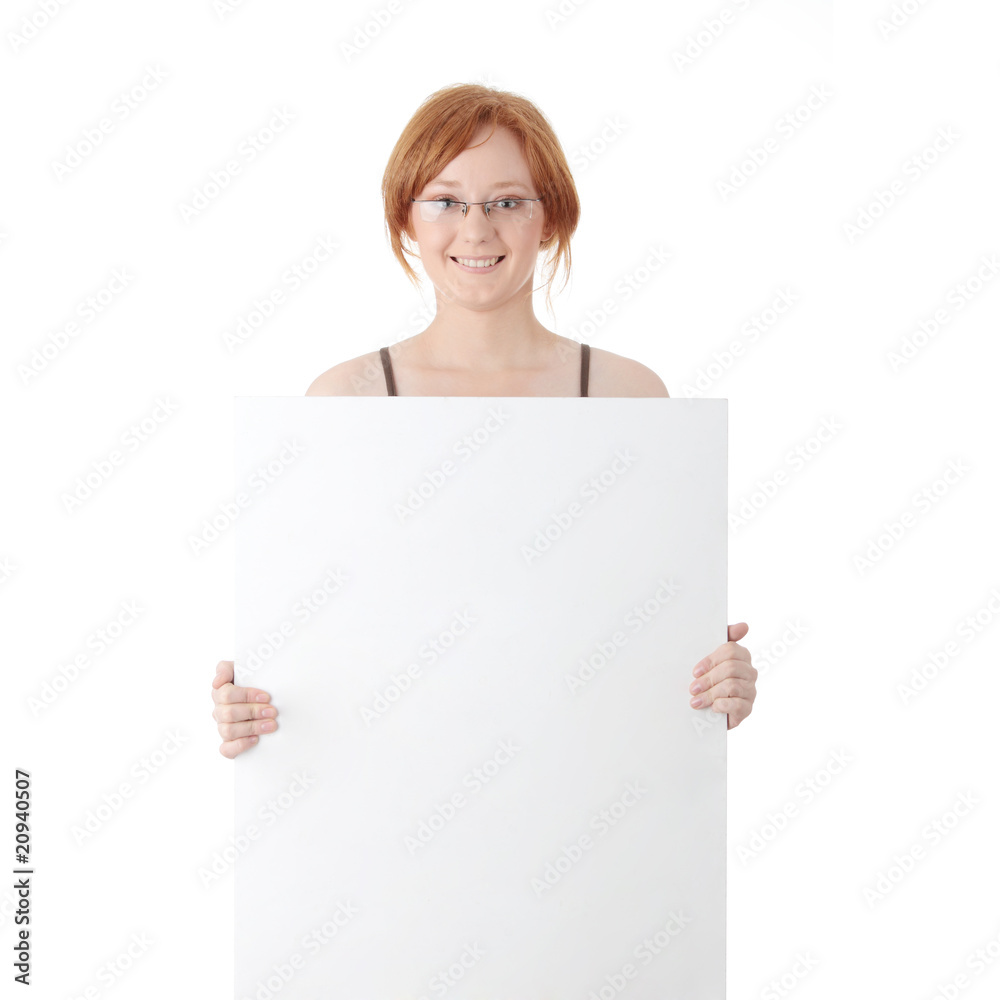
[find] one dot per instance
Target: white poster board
(478, 619)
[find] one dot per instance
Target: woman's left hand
(726, 679)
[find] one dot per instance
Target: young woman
(479, 183)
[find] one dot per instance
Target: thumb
(737, 631)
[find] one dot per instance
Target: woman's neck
(466, 340)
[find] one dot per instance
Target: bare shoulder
(360, 376)
(615, 375)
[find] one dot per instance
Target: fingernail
(699, 670)
(253, 739)
(267, 713)
(262, 697)
(696, 702)
(266, 727)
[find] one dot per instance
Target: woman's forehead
(500, 156)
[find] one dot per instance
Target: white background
(650, 182)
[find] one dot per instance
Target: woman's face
(495, 169)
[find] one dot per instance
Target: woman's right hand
(240, 712)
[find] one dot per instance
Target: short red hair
(443, 126)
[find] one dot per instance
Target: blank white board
(478, 619)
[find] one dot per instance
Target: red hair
(442, 127)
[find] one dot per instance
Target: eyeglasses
(449, 210)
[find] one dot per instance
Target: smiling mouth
(481, 264)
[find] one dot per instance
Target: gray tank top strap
(390, 382)
(584, 368)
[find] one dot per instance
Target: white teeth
(477, 263)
